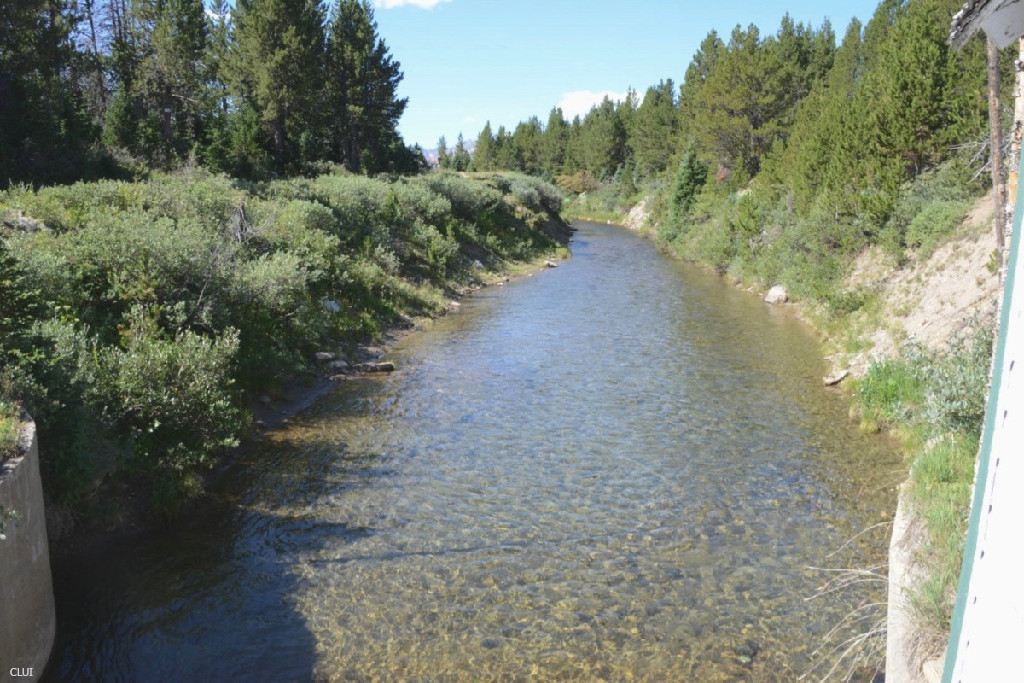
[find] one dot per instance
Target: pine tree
(700, 67)
(275, 65)
(483, 153)
(504, 154)
(461, 159)
(43, 133)
(443, 160)
(362, 88)
(553, 143)
(527, 146)
(690, 178)
(907, 84)
(601, 145)
(655, 129)
(173, 72)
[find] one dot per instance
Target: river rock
(340, 364)
(777, 295)
(324, 356)
(551, 264)
(384, 366)
(838, 377)
(747, 651)
(30, 224)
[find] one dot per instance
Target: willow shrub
(165, 302)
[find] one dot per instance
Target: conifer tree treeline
(838, 126)
(266, 87)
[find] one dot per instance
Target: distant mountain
(431, 154)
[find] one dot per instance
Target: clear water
(620, 468)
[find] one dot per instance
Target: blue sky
(470, 61)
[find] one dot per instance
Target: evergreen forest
(779, 155)
(115, 88)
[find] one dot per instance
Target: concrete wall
(27, 620)
(904, 662)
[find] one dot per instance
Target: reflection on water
(620, 467)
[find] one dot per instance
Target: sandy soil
(928, 301)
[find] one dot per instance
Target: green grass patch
(9, 428)
(890, 394)
(942, 479)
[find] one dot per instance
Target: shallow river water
(618, 468)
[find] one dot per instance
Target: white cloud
(422, 4)
(470, 119)
(580, 101)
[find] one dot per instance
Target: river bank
(522, 495)
(195, 297)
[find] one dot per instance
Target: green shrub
(577, 183)
(159, 300)
(171, 398)
(930, 207)
(935, 222)
(469, 199)
(8, 428)
(958, 381)
(526, 194)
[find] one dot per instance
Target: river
(621, 467)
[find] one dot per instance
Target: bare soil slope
(928, 300)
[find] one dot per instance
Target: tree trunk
(997, 148)
(1017, 134)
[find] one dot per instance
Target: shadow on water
(211, 597)
(200, 603)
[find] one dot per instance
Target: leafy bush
(958, 382)
(172, 397)
(469, 199)
(936, 221)
(941, 395)
(160, 303)
(930, 207)
(526, 193)
(8, 428)
(577, 183)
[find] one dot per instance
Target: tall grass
(936, 400)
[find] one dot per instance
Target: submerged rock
(383, 366)
(747, 651)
